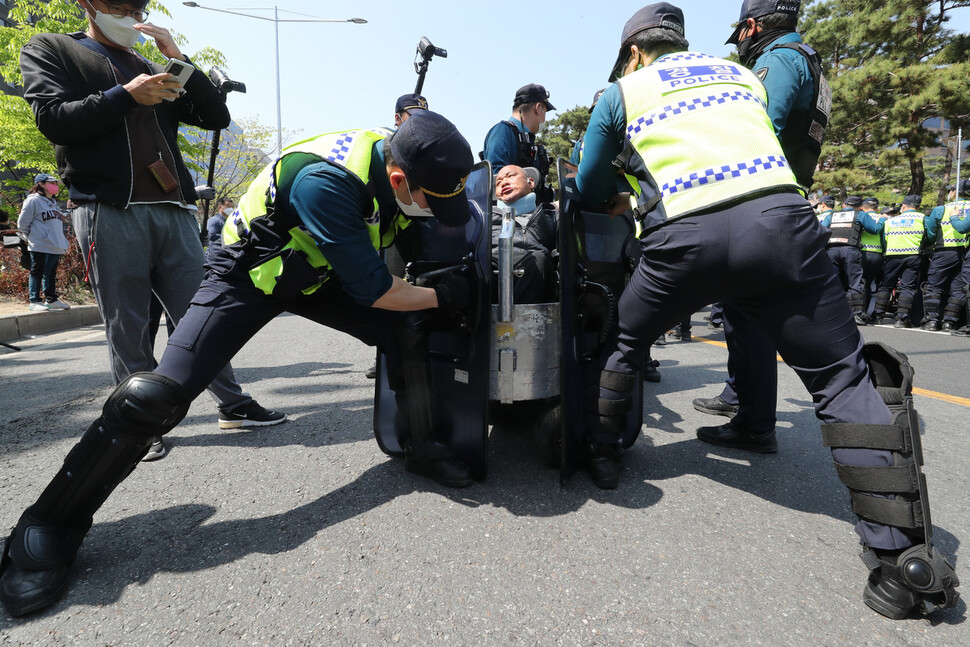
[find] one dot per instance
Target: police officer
(513, 141)
(825, 206)
(407, 104)
(799, 104)
(904, 236)
(961, 224)
(847, 226)
(870, 245)
(745, 236)
(304, 240)
(943, 277)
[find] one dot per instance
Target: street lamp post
(276, 24)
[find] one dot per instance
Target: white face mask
(120, 31)
(412, 210)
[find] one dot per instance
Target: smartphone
(181, 71)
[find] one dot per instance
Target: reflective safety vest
(256, 215)
(947, 237)
(871, 242)
(845, 229)
(677, 110)
(904, 233)
(821, 214)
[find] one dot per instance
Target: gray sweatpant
(131, 253)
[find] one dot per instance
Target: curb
(41, 323)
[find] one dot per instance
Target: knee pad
(146, 405)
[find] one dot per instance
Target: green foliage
(559, 135)
(22, 146)
(892, 66)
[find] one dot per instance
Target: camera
(426, 51)
(222, 81)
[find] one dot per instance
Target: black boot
(604, 462)
(731, 435)
(436, 461)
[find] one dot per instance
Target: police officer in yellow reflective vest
(304, 239)
(943, 278)
(870, 245)
(903, 237)
(726, 221)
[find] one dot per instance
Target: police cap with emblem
(912, 201)
(436, 159)
(759, 8)
(532, 93)
(871, 202)
(653, 16)
(409, 102)
(853, 201)
(827, 200)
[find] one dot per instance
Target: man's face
(533, 116)
(512, 184)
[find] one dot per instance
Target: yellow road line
(952, 399)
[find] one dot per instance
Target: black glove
(453, 292)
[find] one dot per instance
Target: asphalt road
(305, 534)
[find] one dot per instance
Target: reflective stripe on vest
(871, 242)
(350, 150)
(677, 110)
(950, 238)
(904, 233)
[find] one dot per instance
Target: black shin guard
(50, 531)
(920, 579)
(857, 302)
(882, 302)
(612, 405)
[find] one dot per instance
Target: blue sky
(341, 76)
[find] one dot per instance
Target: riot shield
(597, 253)
(458, 349)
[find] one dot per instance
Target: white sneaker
(38, 306)
(57, 305)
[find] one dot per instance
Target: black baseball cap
(660, 14)
(964, 187)
(853, 201)
(435, 158)
(532, 93)
(759, 8)
(912, 200)
(827, 200)
(872, 202)
(44, 177)
(410, 102)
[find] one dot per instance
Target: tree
(561, 134)
(22, 147)
(892, 66)
(241, 156)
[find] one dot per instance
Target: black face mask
(752, 47)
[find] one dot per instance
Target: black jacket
(538, 234)
(80, 107)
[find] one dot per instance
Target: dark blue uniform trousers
(944, 279)
(766, 258)
(227, 313)
(871, 274)
(905, 270)
(752, 366)
(848, 263)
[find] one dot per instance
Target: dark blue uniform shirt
(501, 145)
(332, 204)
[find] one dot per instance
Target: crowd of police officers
(723, 218)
